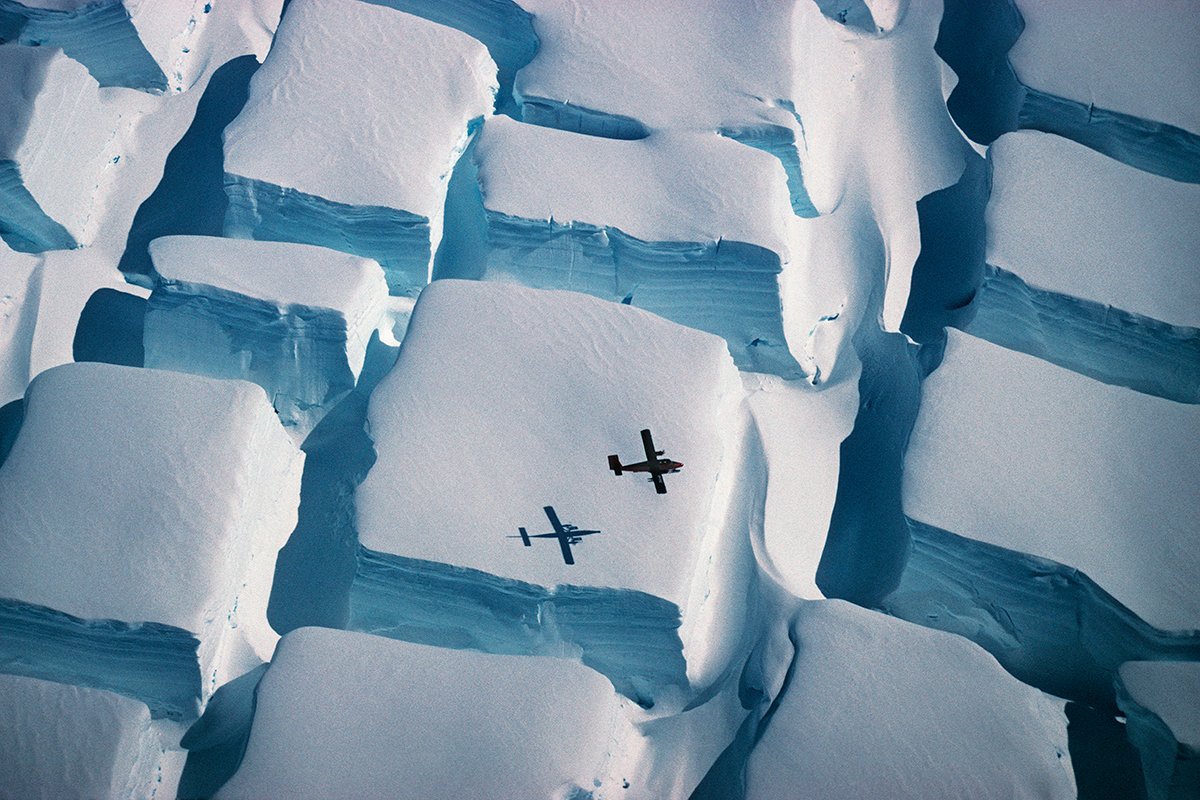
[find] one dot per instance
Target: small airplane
(567, 535)
(657, 467)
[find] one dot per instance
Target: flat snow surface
(506, 399)
(278, 272)
(62, 742)
(1170, 689)
(1019, 453)
(141, 495)
(669, 187)
(1132, 244)
(362, 105)
(349, 715)
(878, 707)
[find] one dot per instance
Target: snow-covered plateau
(599, 399)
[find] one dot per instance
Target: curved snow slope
(699, 235)
(877, 707)
(506, 399)
(1058, 87)
(1022, 454)
(141, 495)
(293, 318)
(624, 70)
(352, 127)
(56, 142)
(75, 744)
(399, 720)
(1047, 623)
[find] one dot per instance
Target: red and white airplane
(657, 467)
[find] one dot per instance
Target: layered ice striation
(347, 141)
(100, 35)
(141, 512)
(293, 318)
(699, 234)
(1013, 451)
(75, 743)
(400, 720)
(505, 400)
(624, 69)
(991, 98)
(1007, 255)
(1047, 623)
(1161, 701)
(876, 707)
(1068, 282)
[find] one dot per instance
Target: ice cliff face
(362, 293)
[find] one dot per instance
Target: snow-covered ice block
(878, 707)
(1073, 287)
(691, 226)
(400, 720)
(624, 69)
(1161, 702)
(352, 127)
(1037, 228)
(1019, 453)
(505, 400)
(1140, 60)
(293, 318)
(65, 742)
(152, 501)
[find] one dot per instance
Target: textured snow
(61, 742)
(505, 400)
(1037, 228)
(142, 495)
(485, 725)
(877, 707)
(425, 86)
(426, 83)
(1022, 454)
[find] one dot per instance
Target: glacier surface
(825, 185)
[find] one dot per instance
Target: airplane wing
(648, 443)
(558, 528)
(660, 485)
(566, 549)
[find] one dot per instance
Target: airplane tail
(525, 537)
(614, 463)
